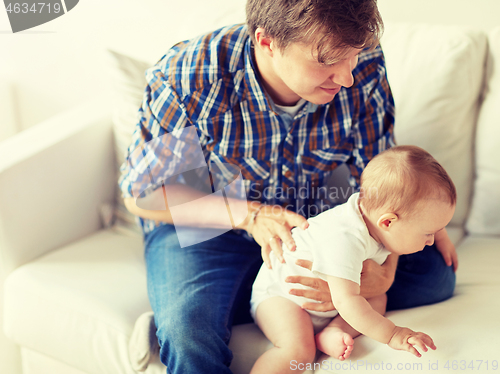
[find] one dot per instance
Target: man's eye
(328, 64)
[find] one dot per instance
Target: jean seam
(233, 300)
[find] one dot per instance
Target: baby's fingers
(410, 348)
(416, 342)
(427, 340)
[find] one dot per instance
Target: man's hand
(271, 228)
(406, 340)
(375, 280)
(318, 291)
(447, 249)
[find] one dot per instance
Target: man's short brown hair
(330, 26)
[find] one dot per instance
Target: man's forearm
(211, 211)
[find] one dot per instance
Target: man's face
(298, 74)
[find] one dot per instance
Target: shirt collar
(253, 91)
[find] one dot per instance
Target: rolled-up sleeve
(160, 147)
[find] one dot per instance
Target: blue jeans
(422, 278)
(197, 293)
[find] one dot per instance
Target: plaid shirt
(212, 83)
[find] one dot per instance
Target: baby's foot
(335, 343)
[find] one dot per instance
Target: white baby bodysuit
(337, 242)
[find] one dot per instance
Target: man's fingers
(318, 307)
(296, 220)
(306, 264)
(275, 243)
(455, 261)
(265, 251)
(311, 294)
(368, 265)
(451, 259)
(305, 281)
(447, 259)
(283, 232)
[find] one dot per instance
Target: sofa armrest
(54, 177)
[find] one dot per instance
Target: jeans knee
(185, 339)
(447, 285)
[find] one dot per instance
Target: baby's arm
(359, 314)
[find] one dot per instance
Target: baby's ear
(386, 220)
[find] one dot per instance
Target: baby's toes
(348, 340)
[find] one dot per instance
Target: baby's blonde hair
(399, 178)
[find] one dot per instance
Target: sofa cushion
(128, 79)
(79, 304)
(483, 217)
(464, 328)
(436, 74)
(8, 115)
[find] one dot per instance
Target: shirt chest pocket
(252, 169)
(318, 162)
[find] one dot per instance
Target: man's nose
(343, 74)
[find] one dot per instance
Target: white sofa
(76, 284)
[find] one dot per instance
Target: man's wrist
(253, 217)
(390, 270)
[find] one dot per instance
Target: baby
(405, 201)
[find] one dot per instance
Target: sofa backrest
(484, 217)
(436, 75)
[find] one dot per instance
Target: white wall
(484, 14)
(59, 64)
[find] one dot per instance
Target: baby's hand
(406, 340)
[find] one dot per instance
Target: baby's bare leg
(336, 339)
(290, 329)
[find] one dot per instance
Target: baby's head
(407, 197)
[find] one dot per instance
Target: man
(286, 98)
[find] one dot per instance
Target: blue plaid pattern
(210, 82)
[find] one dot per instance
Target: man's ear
(264, 42)
(386, 220)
